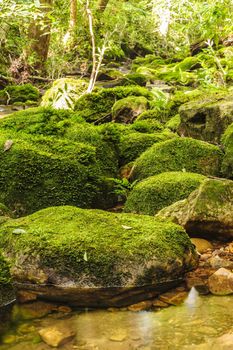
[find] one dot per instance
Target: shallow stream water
(195, 324)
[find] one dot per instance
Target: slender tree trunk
(69, 37)
(39, 37)
(102, 4)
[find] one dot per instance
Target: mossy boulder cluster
(153, 136)
(82, 250)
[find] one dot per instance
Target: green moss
(179, 154)
(173, 123)
(63, 93)
(181, 97)
(93, 246)
(128, 108)
(147, 125)
(227, 141)
(42, 171)
(96, 106)
(156, 192)
(134, 79)
(5, 278)
(187, 64)
(19, 93)
(134, 144)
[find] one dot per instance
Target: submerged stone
(89, 258)
(221, 282)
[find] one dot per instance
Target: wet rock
(33, 310)
(218, 262)
(199, 279)
(118, 336)
(207, 211)
(173, 297)
(202, 245)
(221, 282)
(157, 303)
(57, 335)
(23, 296)
(143, 305)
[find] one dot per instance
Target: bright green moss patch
(135, 143)
(174, 123)
(19, 93)
(93, 248)
(98, 105)
(179, 154)
(156, 192)
(39, 121)
(128, 108)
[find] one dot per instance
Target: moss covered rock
(156, 192)
(37, 172)
(176, 155)
(227, 141)
(206, 119)
(95, 258)
(97, 106)
(134, 144)
(6, 291)
(64, 93)
(207, 212)
(19, 93)
(173, 123)
(128, 108)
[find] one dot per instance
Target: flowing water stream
(196, 324)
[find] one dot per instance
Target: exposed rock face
(206, 120)
(57, 335)
(94, 258)
(207, 211)
(202, 245)
(221, 282)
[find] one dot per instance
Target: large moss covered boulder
(95, 258)
(7, 295)
(207, 118)
(227, 141)
(97, 106)
(156, 192)
(206, 212)
(179, 154)
(37, 172)
(64, 93)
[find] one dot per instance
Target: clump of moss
(97, 106)
(135, 143)
(174, 123)
(147, 125)
(134, 79)
(227, 141)
(128, 108)
(157, 192)
(93, 248)
(19, 93)
(179, 154)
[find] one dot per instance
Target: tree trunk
(102, 4)
(69, 37)
(39, 37)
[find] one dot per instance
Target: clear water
(199, 320)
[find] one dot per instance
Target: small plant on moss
(123, 187)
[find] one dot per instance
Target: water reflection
(199, 320)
